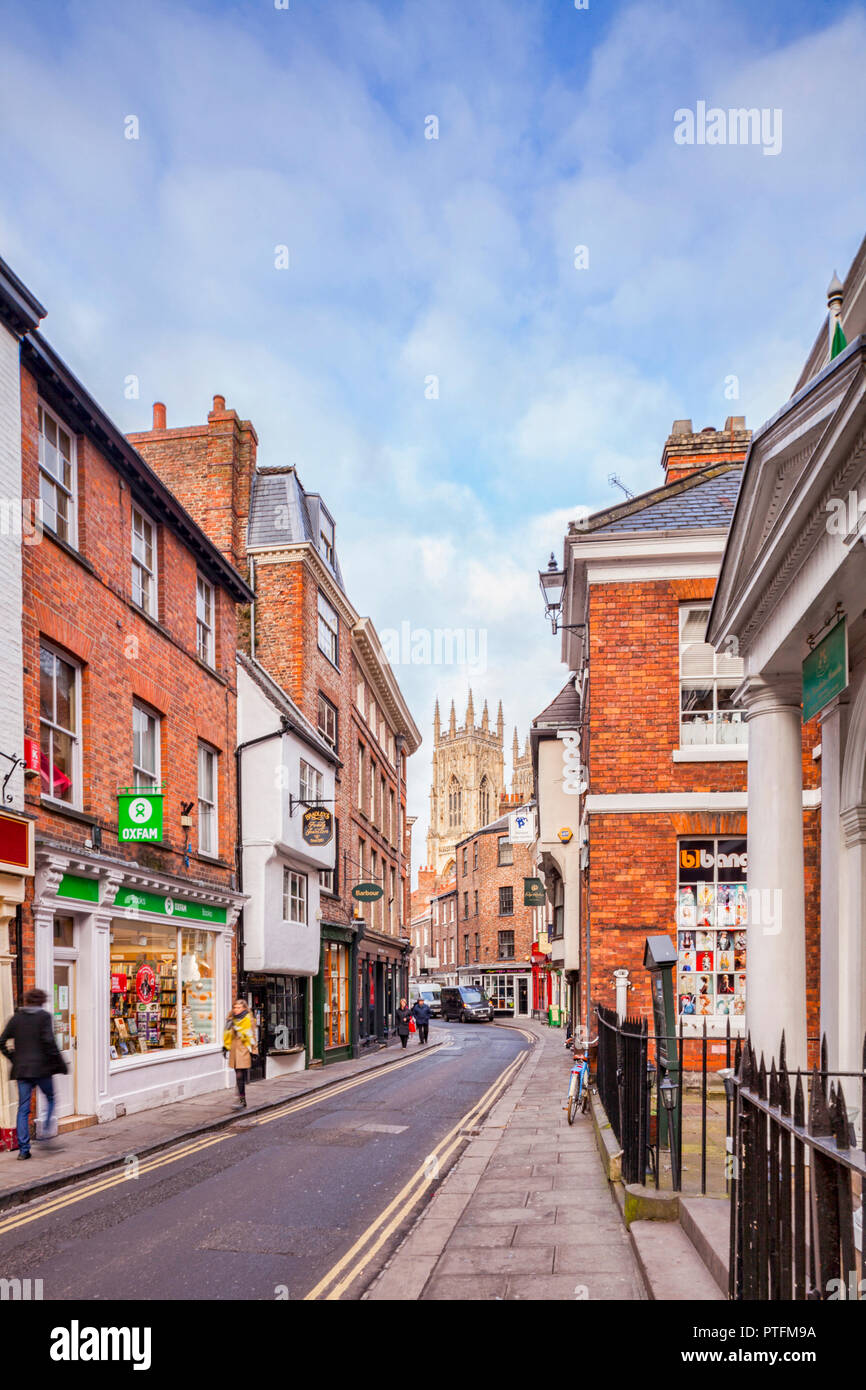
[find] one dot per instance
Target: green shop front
(138, 967)
(333, 996)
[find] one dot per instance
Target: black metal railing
(621, 1079)
(793, 1178)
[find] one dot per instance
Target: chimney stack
(688, 451)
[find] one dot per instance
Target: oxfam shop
(141, 980)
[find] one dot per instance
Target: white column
(833, 721)
(776, 977)
(851, 947)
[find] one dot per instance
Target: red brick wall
(487, 879)
(82, 603)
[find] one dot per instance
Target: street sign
(317, 825)
(825, 671)
(521, 830)
(533, 893)
(139, 816)
(367, 892)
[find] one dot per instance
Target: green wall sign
(533, 893)
(367, 892)
(825, 671)
(139, 816)
(85, 890)
(169, 907)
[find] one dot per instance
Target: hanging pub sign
(367, 892)
(16, 844)
(317, 826)
(533, 893)
(139, 816)
(825, 671)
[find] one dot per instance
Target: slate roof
(562, 711)
(706, 498)
(281, 513)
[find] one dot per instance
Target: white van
(430, 992)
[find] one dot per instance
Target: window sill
(712, 753)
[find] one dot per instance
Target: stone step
(671, 1267)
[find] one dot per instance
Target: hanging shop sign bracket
(16, 762)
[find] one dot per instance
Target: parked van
(430, 992)
(467, 1004)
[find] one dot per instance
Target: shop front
(383, 980)
(509, 988)
(16, 867)
(139, 973)
(279, 1006)
(333, 995)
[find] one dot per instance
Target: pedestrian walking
(421, 1014)
(404, 1013)
(239, 1045)
(36, 1060)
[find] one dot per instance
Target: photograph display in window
(712, 919)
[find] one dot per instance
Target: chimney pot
(158, 415)
(219, 402)
(682, 427)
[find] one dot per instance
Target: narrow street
(265, 1208)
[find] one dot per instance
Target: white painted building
(286, 769)
(19, 312)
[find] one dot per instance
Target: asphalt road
(268, 1207)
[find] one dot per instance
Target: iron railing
(621, 1079)
(792, 1181)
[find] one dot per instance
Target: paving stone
(587, 1237)
(481, 1237)
(496, 1261)
(586, 1260)
(535, 1287)
(495, 1183)
(465, 1288)
(513, 1216)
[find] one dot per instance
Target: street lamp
(552, 584)
(727, 1075)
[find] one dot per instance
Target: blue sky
(453, 258)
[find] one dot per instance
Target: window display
(712, 917)
(336, 973)
(144, 988)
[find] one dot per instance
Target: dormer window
(326, 537)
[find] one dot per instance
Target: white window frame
(204, 630)
(330, 712)
(295, 890)
(329, 620)
(208, 811)
(74, 734)
(51, 481)
(142, 778)
(326, 538)
(721, 672)
(361, 767)
(311, 783)
(147, 575)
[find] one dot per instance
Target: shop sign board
(521, 830)
(533, 893)
(139, 816)
(317, 826)
(85, 890)
(825, 671)
(367, 892)
(16, 844)
(137, 901)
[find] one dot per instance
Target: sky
(358, 222)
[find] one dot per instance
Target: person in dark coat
(35, 1059)
(421, 1012)
(403, 1016)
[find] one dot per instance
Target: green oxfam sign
(825, 671)
(139, 816)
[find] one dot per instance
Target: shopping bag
(411, 1024)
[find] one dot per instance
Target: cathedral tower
(467, 783)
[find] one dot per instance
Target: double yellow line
(69, 1197)
(344, 1273)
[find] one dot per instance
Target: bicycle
(578, 1085)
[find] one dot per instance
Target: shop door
(523, 995)
(380, 1001)
(65, 1090)
(258, 995)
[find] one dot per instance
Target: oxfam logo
(140, 810)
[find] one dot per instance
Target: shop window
(477, 946)
(499, 989)
(505, 852)
(294, 897)
(336, 993)
(475, 854)
(327, 721)
(465, 906)
(144, 562)
(328, 877)
(64, 931)
(328, 631)
(506, 901)
(144, 1004)
(506, 945)
(57, 476)
(59, 727)
(708, 680)
(712, 917)
(476, 902)
(284, 1016)
(198, 987)
(208, 824)
(204, 620)
(145, 748)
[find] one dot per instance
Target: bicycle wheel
(572, 1108)
(584, 1098)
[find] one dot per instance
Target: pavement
(527, 1212)
(84, 1152)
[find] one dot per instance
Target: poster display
(712, 921)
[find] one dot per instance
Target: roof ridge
(654, 495)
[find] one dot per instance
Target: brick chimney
(208, 468)
(686, 451)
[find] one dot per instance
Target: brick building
(129, 640)
(663, 742)
(494, 930)
(306, 634)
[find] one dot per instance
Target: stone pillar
(848, 939)
(776, 977)
(833, 723)
(11, 894)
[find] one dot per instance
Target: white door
(64, 1032)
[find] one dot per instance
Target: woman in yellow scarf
(239, 1045)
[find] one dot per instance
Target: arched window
(455, 803)
(484, 801)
